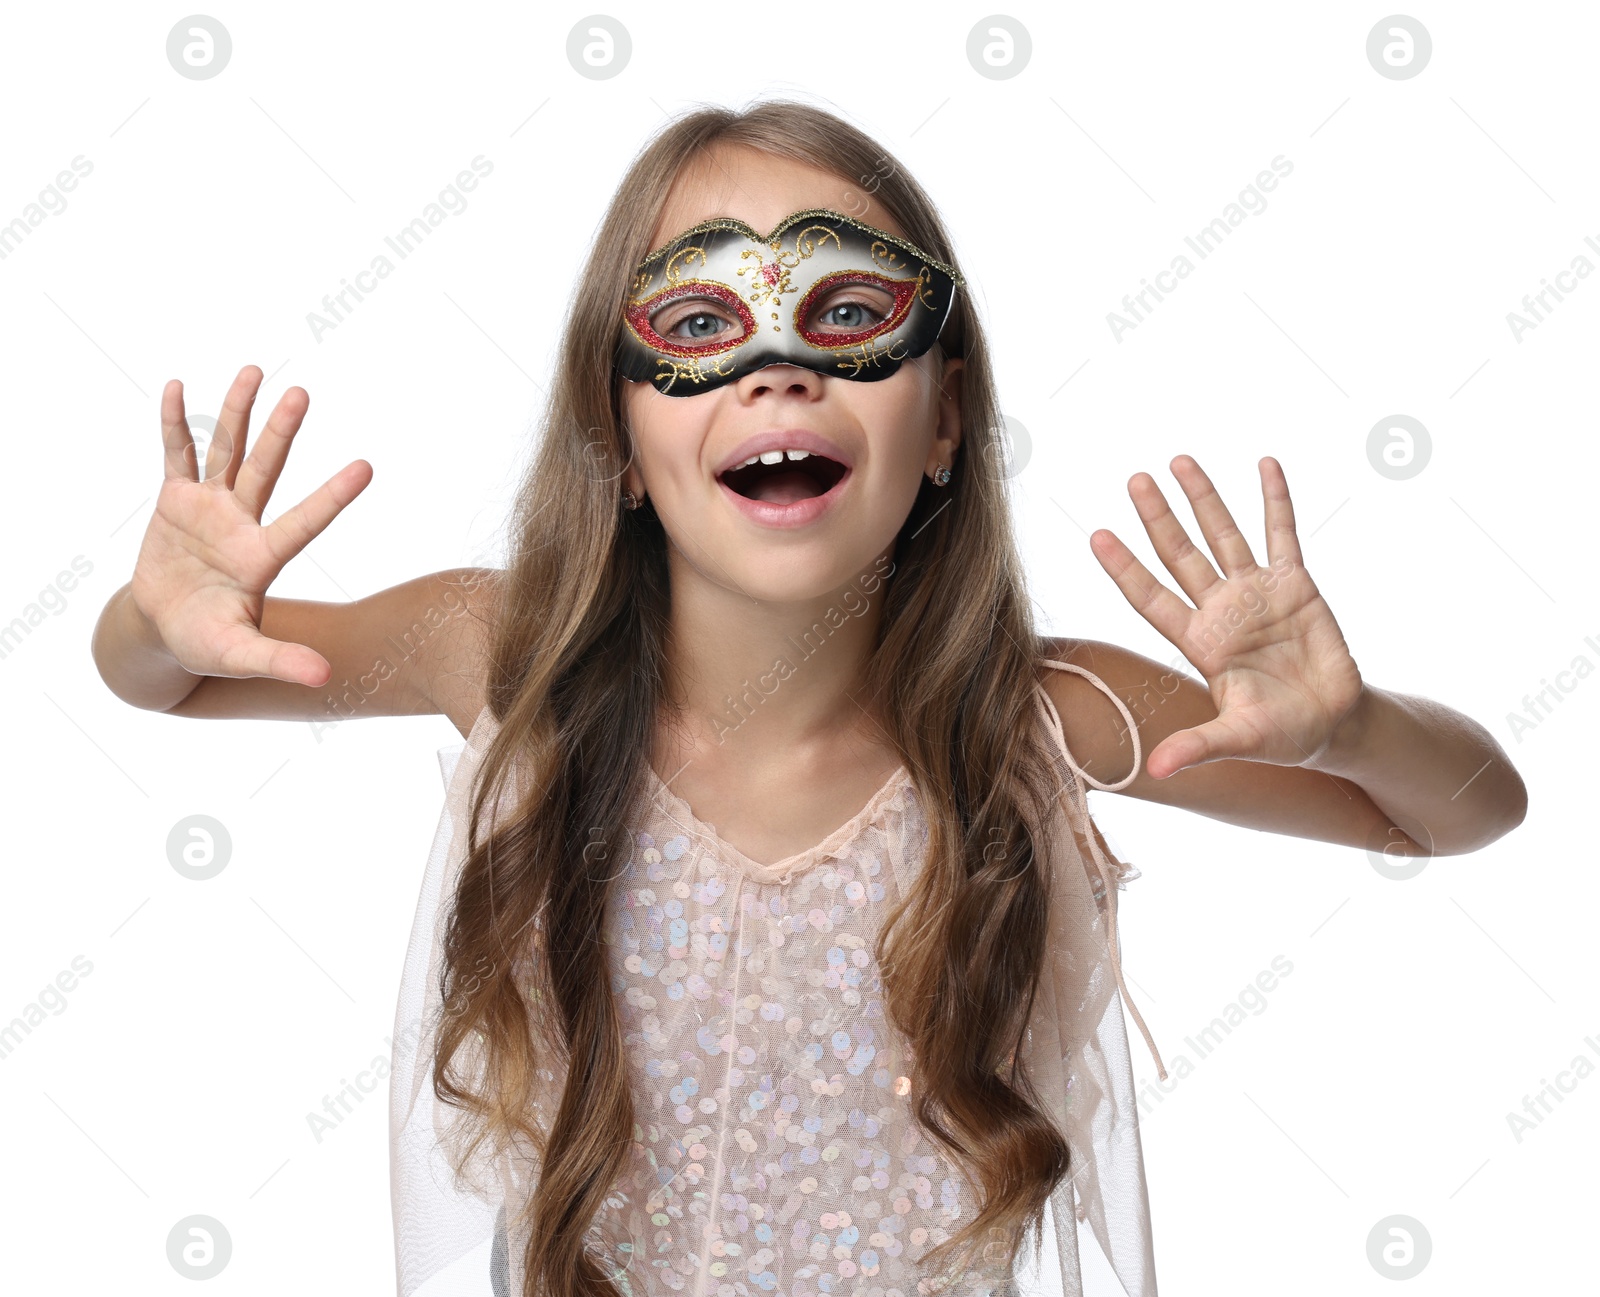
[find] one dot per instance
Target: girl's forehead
(761, 189)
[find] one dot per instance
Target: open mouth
(787, 480)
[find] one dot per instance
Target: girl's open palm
(1266, 642)
(206, 560)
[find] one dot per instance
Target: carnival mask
(822, 290)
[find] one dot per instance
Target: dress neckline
(780, 871)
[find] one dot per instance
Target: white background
(217, 1015)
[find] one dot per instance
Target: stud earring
(629, 500)
(941, 476)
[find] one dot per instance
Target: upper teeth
(773, 456)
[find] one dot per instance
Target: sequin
(787, 1120)
(773, 1149)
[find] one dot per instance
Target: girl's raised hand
(206, 561)
(1263, 638)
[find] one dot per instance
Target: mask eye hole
(694, 317)
(872, 304)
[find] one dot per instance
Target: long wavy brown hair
(575, 679)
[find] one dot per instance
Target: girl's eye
(849, 316)
(690, 321)
(697, 324)
(856, 308)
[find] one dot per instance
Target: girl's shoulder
(458, 648)
(1100, 692)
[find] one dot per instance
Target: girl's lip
(797, 514)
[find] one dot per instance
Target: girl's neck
(746, 680)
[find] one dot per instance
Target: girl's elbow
(1515, 802)
(1513, 812)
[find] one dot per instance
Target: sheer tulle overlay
(774, 1149)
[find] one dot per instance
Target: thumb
(246, 654)
(1213, 741)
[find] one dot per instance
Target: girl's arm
(1398, 774)
(1284, 734)
(413, 649)
(194, 633)
(1412, 757)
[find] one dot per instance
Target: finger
(1216, 523)
(297, 528)
(246, 653)
(1283, 542)
(1150, 599)
(1213, 741)
(260, 471)
(1181, 556)
(178, 458)
(233, 425)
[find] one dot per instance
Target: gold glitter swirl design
(682, 260)
(771, 278)
(804, 246)
(887, 259)
(870, 353)
(825, 213)
(693, 371)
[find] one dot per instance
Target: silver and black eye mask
(822, 290)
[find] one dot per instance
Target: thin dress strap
(1111, 879)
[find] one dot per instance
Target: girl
(766, 944)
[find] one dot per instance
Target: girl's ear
(630, 478)
(634, 482)
(947, 431)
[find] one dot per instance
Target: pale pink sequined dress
(774, 1149)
